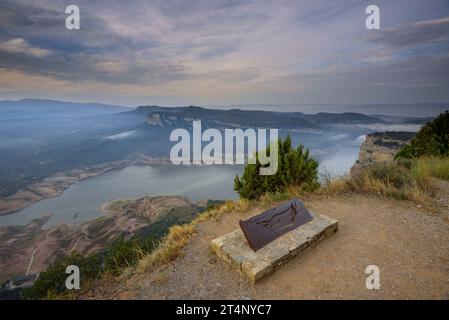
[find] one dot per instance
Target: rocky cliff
(381, 147)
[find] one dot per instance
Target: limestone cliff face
(381, 147)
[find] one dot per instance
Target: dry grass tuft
(227, 207)
(171, 245)
(406, 187)
(392, 180)
(335, 187)
(431, 167)
(168, 249)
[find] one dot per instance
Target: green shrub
(431, 140)
(278, 196)
(51, 282)
(295, 168)
(119, 255)
(126, 253)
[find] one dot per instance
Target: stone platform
(234, 249)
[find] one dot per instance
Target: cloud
(83, 67)
(413, 34)
(228, 51)
(19, 45)
(16, 16)
(412, 72)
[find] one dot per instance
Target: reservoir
(82, 200)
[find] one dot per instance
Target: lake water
(86, 196)
(195, 182)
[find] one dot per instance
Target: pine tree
(295, 168)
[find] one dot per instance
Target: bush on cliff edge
(295, 168)
(431, 140)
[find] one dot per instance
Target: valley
(147, 215)
(96, 177)
(49, 145)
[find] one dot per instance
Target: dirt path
(410, 246)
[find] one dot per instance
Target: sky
(219, 52)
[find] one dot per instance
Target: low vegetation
(393, 180)
(431, 167)
(120, 255)
(431, 140)
(409, 181)
(168, 249)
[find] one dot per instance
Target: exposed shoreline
(106, 206)
(55, 185)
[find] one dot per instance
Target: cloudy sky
(208, 52)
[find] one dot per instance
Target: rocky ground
(409, 244)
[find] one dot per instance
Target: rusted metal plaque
(260, 230)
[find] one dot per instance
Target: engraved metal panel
(262, 229)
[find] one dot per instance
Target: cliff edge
(381, 147)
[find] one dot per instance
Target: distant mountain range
(35, 107)
(42, 137)
(259, 119)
